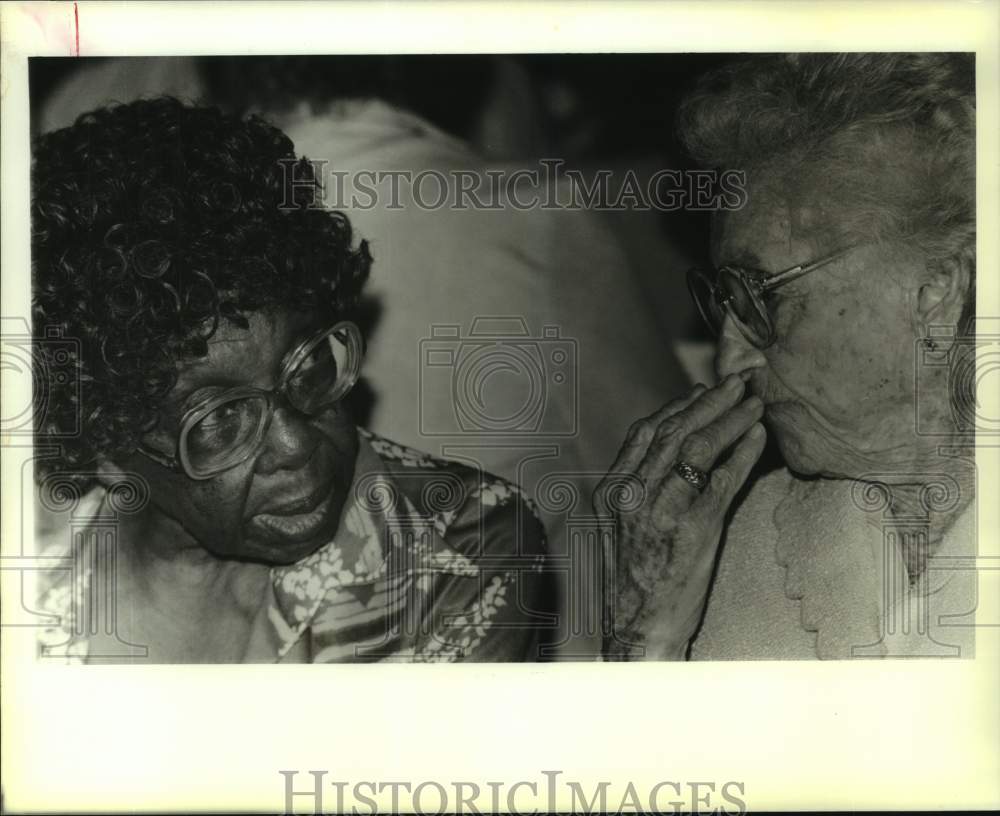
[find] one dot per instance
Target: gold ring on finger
(695, 477)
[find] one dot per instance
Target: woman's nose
(289, 444)
(735, 352)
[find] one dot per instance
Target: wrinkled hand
(663, 551)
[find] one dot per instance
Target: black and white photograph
(472, 356)
(288, 288)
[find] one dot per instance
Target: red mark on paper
(76, 24)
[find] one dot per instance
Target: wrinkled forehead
(777, 224)
(252, 355)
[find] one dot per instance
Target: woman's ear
(945, 290)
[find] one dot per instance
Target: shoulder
(467, 504)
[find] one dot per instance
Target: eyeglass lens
(229, 431)
(703, 294)
(324, 374)
(746, 309)
(224, 434)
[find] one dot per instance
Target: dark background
(600, 104)
(594, 111)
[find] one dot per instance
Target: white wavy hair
(824, 122)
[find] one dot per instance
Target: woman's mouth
(298, 524)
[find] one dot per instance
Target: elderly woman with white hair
(843, 295)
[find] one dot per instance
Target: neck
(170, 569)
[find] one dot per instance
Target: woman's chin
(797, 456)
(805, 445)
(275, 554)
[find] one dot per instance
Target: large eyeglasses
(739, 292)
(226, 429)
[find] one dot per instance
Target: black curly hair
(151, 223)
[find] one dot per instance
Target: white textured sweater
(812, 568)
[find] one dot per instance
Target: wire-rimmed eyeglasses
(739, 292)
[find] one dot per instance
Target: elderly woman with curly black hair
(209, 300)
(843, 295)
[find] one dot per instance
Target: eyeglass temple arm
(160, 458)
(798, 271)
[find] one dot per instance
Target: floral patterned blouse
(432, 561)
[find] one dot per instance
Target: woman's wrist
(614, 651)
(674, 650)
(633, 643)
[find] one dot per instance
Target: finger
(725, 482)
(637, 442)
(727, 479)
(677, 405)
(664, 449)
(701, 450)
(703, 447)
(643, 431)
(715, 402)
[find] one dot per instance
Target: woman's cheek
(342, 435)
(815, 356)
(802, 355)
(220, 507)
(858, 375)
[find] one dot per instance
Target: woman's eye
(220, 414)
(223, 427)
